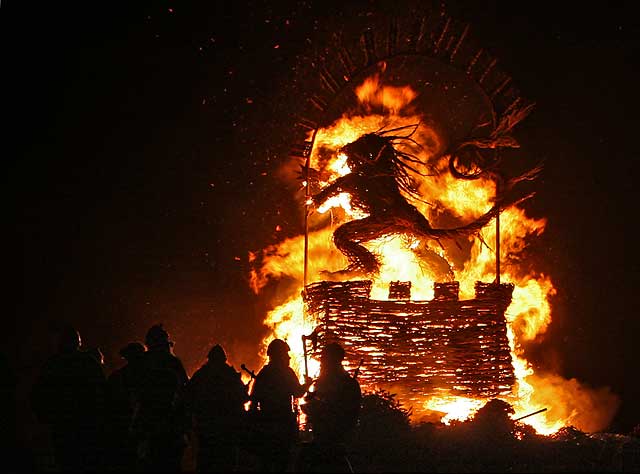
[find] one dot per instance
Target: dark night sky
(140, 142)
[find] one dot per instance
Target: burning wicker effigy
(441, 346)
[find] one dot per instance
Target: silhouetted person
(11, 450)
(69, 395)
(160, 421)
(272, 394)
(160, 355)
(124, 386)
(332, 409)
(216, 396)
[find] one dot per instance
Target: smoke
(573, 403)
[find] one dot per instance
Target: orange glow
(528, 316)
(392, 98)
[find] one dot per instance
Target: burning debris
(490, 441)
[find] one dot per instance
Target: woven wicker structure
(442, 346)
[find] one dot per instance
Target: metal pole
(307, 196)
(498, 191)
(306, 238)
(304, 349)
(498, 247)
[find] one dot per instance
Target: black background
(140, 142)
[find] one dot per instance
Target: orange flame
(391, 98)
(528, 316)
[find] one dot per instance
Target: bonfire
(414, 232)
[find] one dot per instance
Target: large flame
(528, 316)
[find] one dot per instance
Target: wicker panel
(427, 347)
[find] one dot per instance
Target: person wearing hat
(274, 390)
(215, 398)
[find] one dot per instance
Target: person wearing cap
(332, 408)
(215, 398)
(273, 392)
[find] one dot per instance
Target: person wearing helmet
(160, 425)
(332, 409)
(69, 395)
(274, 390)
(160, 355)
(215, 398)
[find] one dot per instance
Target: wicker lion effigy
(379, 180)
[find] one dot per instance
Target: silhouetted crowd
(144, 415)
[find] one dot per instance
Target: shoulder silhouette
(70, 396)
(216, 396)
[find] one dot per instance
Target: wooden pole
(530, 414)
